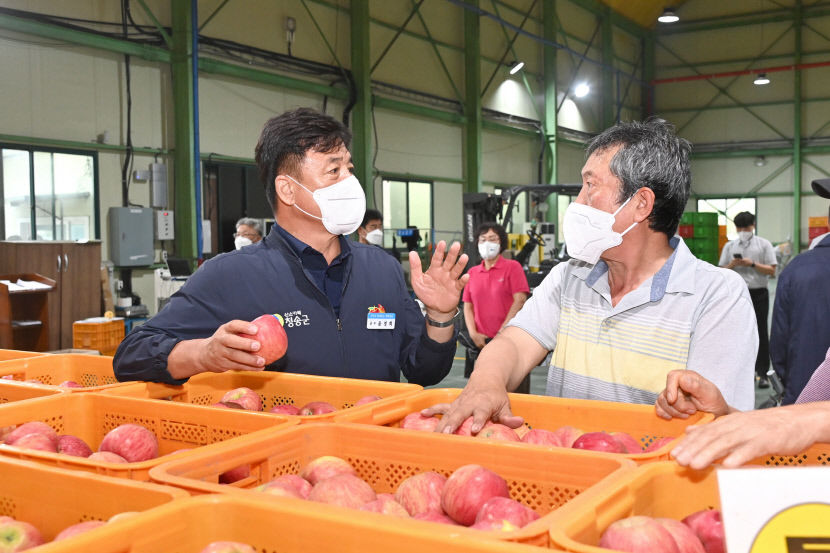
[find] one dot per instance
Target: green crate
(688, 218)
(706, 219)
(706, 231)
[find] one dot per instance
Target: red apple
(106, 457)
(33, 381)
(504, 514)
(628, 443)
(298, 483)
(685, 538)
(567, 435)
(228, 547)
(245, 397)
(317, 408)
(16, 535)
(235, 474)
(538, 436)
(78, 528)
(434, 516)
(73, 445)
(345, 490)
(133, 442)
(708, 526)
(279, 489)
(70, 384)
(497, 431)
(34, 427)
(522, 431)
(421, 493)
(366, 399)
(598, 441)
(638, 534)
(466, 428)
(326, 467)
(271, 337)
(39, 442)
(227, 405)
(285, 409)
(385, 504)
(416, 421)
(657, 444)
(467, 489)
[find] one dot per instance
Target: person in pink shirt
(496, 291)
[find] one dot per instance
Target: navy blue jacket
(267, 277)
(800, 333)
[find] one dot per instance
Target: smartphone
(737, 256)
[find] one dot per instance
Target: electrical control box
(164, 225)
(131, 236)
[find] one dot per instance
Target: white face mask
(745, 235)
(375, 237)
(342, 205)
(588, 231)
(488, 250)
(241, 241)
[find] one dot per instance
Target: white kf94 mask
(588, 231)
(342, 205)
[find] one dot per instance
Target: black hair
(744, 219)
(371, 215)
(286, 138)
(487, 226)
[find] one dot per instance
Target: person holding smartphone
(753, 258)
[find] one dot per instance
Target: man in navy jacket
(327, 289)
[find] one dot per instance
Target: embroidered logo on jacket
(295, 318)
(377, 309)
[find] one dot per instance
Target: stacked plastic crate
(817, 227)
(701, 233)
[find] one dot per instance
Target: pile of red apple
(17, 535)
(472, 496)
(565, 436)
(64, 384)
(246, 398)
(700, 532)
(128, 443)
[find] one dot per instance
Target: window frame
(407, 181)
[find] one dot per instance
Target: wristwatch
(433, 322)
(753, 265)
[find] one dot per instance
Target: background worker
(248, 231)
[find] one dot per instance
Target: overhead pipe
(776, 69)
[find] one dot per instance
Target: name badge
(380, 321)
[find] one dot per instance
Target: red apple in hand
(16, 535)
(73, 445)
(228, 547)
(538, 436)
(416, 421)
(34, 427)
(685, 538)
(598, 441)
(325, 467)
(708, 526)
(245, 397)
(316, 408)
(285, 409)
(638, 534)
(498, 431)
(271, 337)
(133, 442)
(78, 528)
(468, 489)
(345, 490)
(504, 514)
(421, 493)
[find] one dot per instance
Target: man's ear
(361, 232)
(644, 202)
(284, 189)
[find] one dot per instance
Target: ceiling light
(761, 79)
(516, 66)
(582, 90)
(668, 16)
(760, 161)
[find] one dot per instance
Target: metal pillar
(608, 96)
(184, 157)
(647, 96)
(797, 129)
(472, 104)
(549, 24)
(362, 113)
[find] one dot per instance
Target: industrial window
(727, 208)
(51, 191)
(407, 206)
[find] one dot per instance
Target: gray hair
(253, 223)
(651, 156)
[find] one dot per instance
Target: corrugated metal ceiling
(643, 12)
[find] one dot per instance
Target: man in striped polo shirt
(632, 304)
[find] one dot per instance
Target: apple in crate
(436, 516)
(416, 421)
(78, 528)
(133, 442)
(235, 474)
(245, 397)
(39, 442)
(627, 441)
(344, 490)
(468, 489)
(498, 431)
(539, 436)
(16, 535)
(685, 538)
(366, 399)
(708, 526)
(298, 483)
(73, 445)
(106, 457)
(598, 441)
(638, 534)
(325, 467)
(567, 435)
(271, 337)
(228, 547)
(280, 489)
(69, 384)
(386, 505)
(317, 408)
(503, 514)
(421, 493)
(657, 444)
(34, 427)
(285, 409)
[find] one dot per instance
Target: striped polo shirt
(690, 314)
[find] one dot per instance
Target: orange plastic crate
(656, 490)
(11, 391)
(7, 354)
(541, 478)
(188, 525)
(275, 388)
(103, 336)
(817, 221)
(52, 498)
(91, 416)
(93, 372)
(550, 413)
(818, 454)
